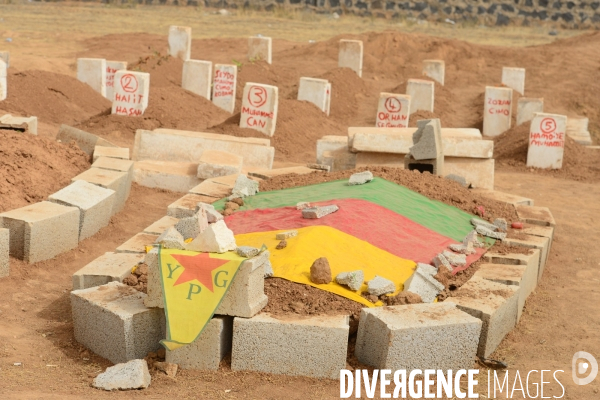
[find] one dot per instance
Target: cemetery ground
(36, 328)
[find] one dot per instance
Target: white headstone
(260, 48)
(3, 84)
(180, 42)
(351, 55)
(93, 72)
(5, 56)
(111, 68)
(393, 111)
(316, 91)
(527, 108)
(514, 78)
(421, 94)
(132, 90)
(224, 84)
(259, 107)
(547, 141)
(435, 69)
(197, 76)
(497, 110)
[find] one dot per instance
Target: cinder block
(421, 94)
(42, 230)
(351, 55)
(542, 231)
(207, 351)
(214, 163)
(197, 77)
(161, 225)
(186, 206)
(534, 242)
(299, 346)
(137, 244)
(212, 189)
(107, 268)
(479, 172)
(95, 204)
(108, 179)
(531, 260)
(174, 176)
(514, 78)
(93, 72)
(112, 321)
(4, 252)
(497, 110)
(417, 336)
(503, 197)
(154, 285)
(494, 304)
(116, 164)
(180, 42)
(535, 215)
(260, 48)
(28, 124)
(85, 140)
(111, 152)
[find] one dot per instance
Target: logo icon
(584, 363)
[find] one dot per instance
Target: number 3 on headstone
(257, 96)
(129, 83)
(548, 125)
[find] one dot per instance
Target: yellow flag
(193, 286)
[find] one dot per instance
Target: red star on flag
(198, 267)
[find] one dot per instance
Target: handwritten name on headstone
(259, 108)
(224, 84)
(393, 111)
(131, 93)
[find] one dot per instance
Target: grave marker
(224, 83)
(547, 141)
(435, 69)
(111, 68)
(527, 108)
(5, 55)
(180, 42)
(3, 88)
(497, 110)
(260, 48)
(393, 111)
(421, 94)
(514, 78)
(351, 55)
(197, 76)
(132, 90)
(259, 107)
(93, 72)
(316, 91)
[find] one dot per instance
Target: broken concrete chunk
(191, 227)
(489, 233)
(302, 205)
(501, 224)
(441, 261)
(318, 212)
(320, 272)
(217, 238)
(462, 248)
(427, 140)
(360, 178)
(286, 235)
(268, 269)
(244, 186)
(476, 222)
(459, 260)
(171, 239)
(472, 238)
(378, 286)
(281, 245)
(353, 280)
(130, 375)
(423, 283)
(247, 251)
(212, 215)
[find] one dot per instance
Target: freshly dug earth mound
(31, 168)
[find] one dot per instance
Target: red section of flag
(198, 267)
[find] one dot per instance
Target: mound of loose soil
(31, 168)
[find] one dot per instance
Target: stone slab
(26, 124)
(158, 227)
(547, 137)
(197, 77)
(132, 91)
(527, 108)
(215, 163)
(260, 48)
(4, 252)
(479, 172)
(531, 260)
(3, 81)
(457, 133)
(5, 56)
(315, 91)
(111, 68)
(224, 86)
(137, 243)
(514, 78)
(387, 159)
(497, 110)
(109, 179)
(393, 111)
(92, 71)
(271, 173)
(116, 164)
(84, 140)
(435, 69)
(351, 55)
(259, 108)
(180, 42)
(535, 242)
(186, 205)
(173, 176)
(507, 198)
(109, 267)
(421, 94)
(535, 215)
(111, 152)
(542, 231)
(211, 189)
(263, 344)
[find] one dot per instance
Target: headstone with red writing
(180, 42)
(316, 91)
(393, 111)
(514, 78)
(93, 72)
(435, 69)
(197, 77)
(259, 107)
(547, 141)
(224, 83)
(497, 110)
(111, 69)
(351, 55)
(132, 90)
(421, 94)
(260, 48)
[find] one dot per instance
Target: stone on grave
(320, 271)
(393, 111)
(260, 48)
(422, 283)
(133, 374)
(286, 235)
(132, 90)
(259, 108)
(224, 85)
(214, 163)
(441, 261)
(527, 108)
(577, 129)
(3, 81)
(246, 251)
(212, 215)
(197, 76)
(111, 68)
(482, 230)
(190, 227)
(319, 212)
(360, 178)
(435, 69)
(351, 55)
(547, 141)
(316, 91)
(514, 78)
(460, 260)
(217, 238)
(180, 42)
(171, 239)
(421, 94)
(378, 286)
(244, 186)
(427, 140)
(497, 110)
(353, 279)
(93, 72)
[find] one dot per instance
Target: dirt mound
(31, 168)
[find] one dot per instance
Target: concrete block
(497, 110)
(421, 94)
(427, 140)
(132, 90)
(527, 108)
(111, 68)
(435, 69)
(417, 336)
(41, 231)
(137, 244)
(514, 78)
(422, 283)
(456, 133)
(171, 239)
(158, 227)
(5, 56)
(108, 179)
(186, 206)
(180, 42)
(547, 141)
(191, 227)
(393, 111)
(542, 231)
(259, 107)
(260, 48)
(86, 141)
(531, 260)
(534, 242)
(174, 176)
(224, 86)
(364, 159)
(535, 215)
(262, 344)
(494, 304)
(207, 351)
(244, 186)
(112, 321)
(503, 197)
(337, 151)
(111, 152)
(93, 72)
(95, 205)
(24, 124)
(211, 189)
(217, 238)
(379, 285)
(434, 166)
(316, 91)
(197, 77)
(116, 164)
(4, 252)
(319, 212)
(133, 374)
(187, 146)
(109, 267)
(214, 163)
(271, 173)
(480, 172)
(351, 55)
(3, 81)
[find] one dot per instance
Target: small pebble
(282, 245)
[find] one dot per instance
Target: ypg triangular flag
(194, 285)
